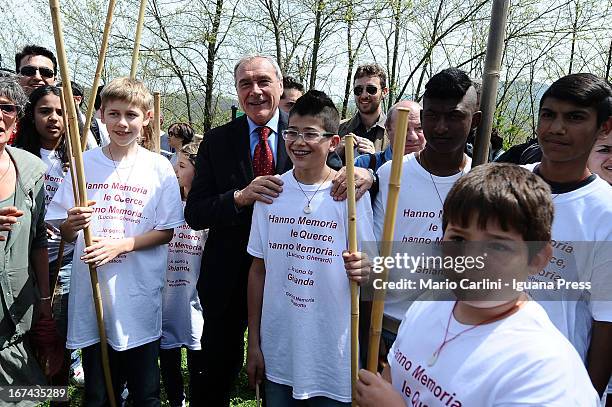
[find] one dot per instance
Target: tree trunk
(574, 35)
(609, 63)
(210, 66)
(349, 73)
(275, 18)
(396, 34)
(316, 44)
(175, 66)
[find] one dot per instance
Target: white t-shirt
(182, 319)
(305, 320)
(582, 251)
(131, 199)
(54, 176)
(521, 360)
(418, 220)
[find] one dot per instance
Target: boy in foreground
(135, 206)
(298, 292)
(500, 349)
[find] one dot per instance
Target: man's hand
(363, 182)
(374, 391)
(357, 265)
(255, 365)
(8, 217)
(106, 249)
(364, 146)
(262, 189)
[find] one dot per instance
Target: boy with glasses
(298, 292)
(36, 66)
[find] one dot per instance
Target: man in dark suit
(235, 167)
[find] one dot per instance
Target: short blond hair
(131, 91)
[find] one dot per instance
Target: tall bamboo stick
(352, 240)
(156, 122)
(99, 67)
(495, 47)
(80, 180)
(378, 304)
(60, 251)
(136, 50)
(67, 135)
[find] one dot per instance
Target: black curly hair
(27, 136)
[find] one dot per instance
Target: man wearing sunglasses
(36, 67)
(368, 124)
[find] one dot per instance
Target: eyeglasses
(30, 70)
(9, 110)
(371, 89)
(308, 136)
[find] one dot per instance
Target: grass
(243, 396)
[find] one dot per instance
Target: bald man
(415, 140)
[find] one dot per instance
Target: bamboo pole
(136, 50)
(378, 304)
(156, 122)
(349, 151)
(80, 181)
(67, 134)
(99, 67)
(495, 47)
(60, 251)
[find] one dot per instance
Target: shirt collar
(272, 123)
(387, 153)
(356, 121)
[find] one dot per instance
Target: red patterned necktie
(263, 160)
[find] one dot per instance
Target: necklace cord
(486, 321)
(320, 185)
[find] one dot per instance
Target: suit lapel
(240, 140)
(283, 164)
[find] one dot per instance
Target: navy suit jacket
(224, 165)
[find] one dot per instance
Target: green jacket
(18, 284)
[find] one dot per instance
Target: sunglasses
(8, 109)
(30, 70)
(371, 89)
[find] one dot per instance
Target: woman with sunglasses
(24, 279)
(41, 132)
(179, 135)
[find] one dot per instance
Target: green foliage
(242, 397)
(511, 131)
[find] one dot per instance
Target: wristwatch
(372, 174)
